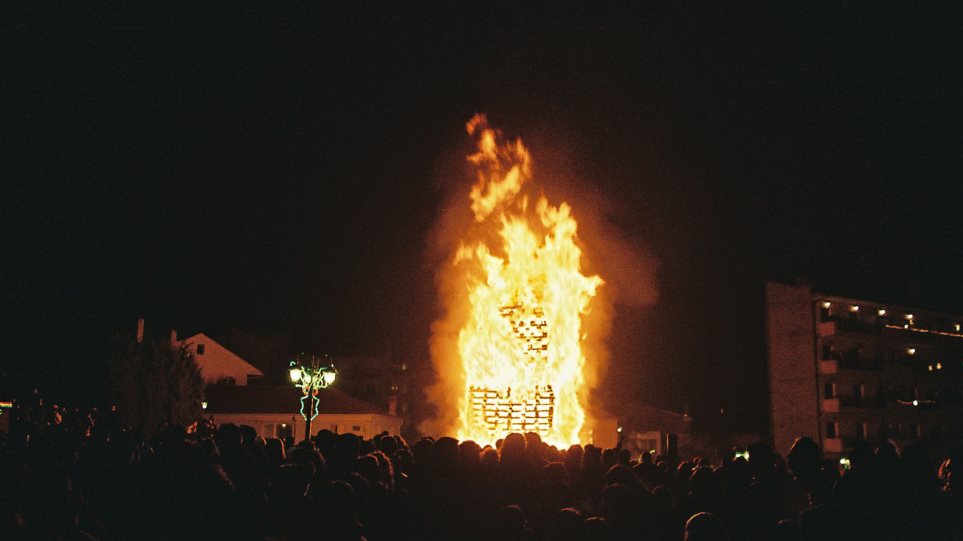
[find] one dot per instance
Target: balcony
(832, 361)
(833, 445)
(863, 401)
(834, 405)
(857, 324)
(872, 365)
(831, 405)
(826, 328)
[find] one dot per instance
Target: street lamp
(311, 376)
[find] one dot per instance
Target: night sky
(276, 169)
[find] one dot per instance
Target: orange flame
(521, 344)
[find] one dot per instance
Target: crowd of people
(90, 481)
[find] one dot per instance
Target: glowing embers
(500, 412)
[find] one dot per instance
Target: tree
(154, 383)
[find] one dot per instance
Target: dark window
(828, 390)
(831, 429)
(356, 428)
(200, 349)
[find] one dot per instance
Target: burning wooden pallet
(501, 412)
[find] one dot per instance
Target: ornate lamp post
(311, 376)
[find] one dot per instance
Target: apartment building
(843, 370)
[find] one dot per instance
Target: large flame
(521, 344)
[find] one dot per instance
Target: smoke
(628, 269)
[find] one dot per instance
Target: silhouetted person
(566, 526)
(705, 527)
(508, 524)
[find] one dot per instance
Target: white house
(219, 364)
(274, 411)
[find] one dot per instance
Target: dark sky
(273, 168)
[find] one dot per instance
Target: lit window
(881, 312)
(827, 304)
(957, 327)
(200, 349)
(939, 366)
(909, 317)
(929, 368)
(854, 308)
(911, 351)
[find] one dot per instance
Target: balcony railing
(873, 365)
(831, 405)
(828, 367)
(857, 325)
(834, 405)
(833, 366)
(833, 445)
(863, 402)
(826, 328)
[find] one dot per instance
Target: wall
(365, 425)
(791, 343)
(218, 362)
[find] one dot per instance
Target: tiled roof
(279, 399)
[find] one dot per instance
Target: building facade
(274, 411)
(843, 370)
(219, 364)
